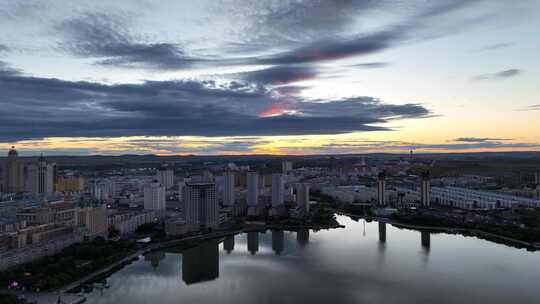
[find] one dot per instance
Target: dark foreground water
(363, 263)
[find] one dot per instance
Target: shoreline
(450, 230)
(195, 240)
(185, 243)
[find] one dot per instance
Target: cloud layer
(108, 39)
(499, 75)
(39, 107)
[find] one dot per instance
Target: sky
(269, 77)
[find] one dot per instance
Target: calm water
(363, 263)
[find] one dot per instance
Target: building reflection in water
(201, 263)
(426, 240)
(302, 237)
(382, 232)
(228, 244)
(154, 258)
(278, 237)
(253, 242)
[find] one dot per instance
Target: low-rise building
(127, 222)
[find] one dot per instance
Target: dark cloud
(495, 46)
(269, 24)
(6, 69)
(289, 32)
(370, 65)
(366, 106)
(499, 75)
(479, 139)
(34, 108)
(279, 75)
(108, 39)
(3, 48)
(320, 30)
(332, 49)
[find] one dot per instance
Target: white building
(228, 189)
(102, 189)
(350, 194)
(474, 199)
(201, 205)
(165, 176)
(128, 221)
(277, 189)
(154, 197)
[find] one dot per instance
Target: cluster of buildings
(424, 195)
(41, 213)
(36, 177)
(43, 209)
(209, 201)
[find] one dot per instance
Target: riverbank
(193, 241)
(453, 230)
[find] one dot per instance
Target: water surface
(363, 263)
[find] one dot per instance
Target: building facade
(13, 173)
(165, 176)
(277, 189)
(201, 206)
(252, 192)
(228, 189)
(154, 196)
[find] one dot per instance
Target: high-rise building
(425, 190)
(101, 189)
(154, 197)
(93, 221)
(40, 178)
(277, 189)
(201, 205)
(13, 173)
(252, 192)
(165, 176)
(381, 189)
(302, 196)
(286, 166)
(228, 188)
(181, 190)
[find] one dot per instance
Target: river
(362, 263)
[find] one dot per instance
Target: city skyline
(268, 77)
